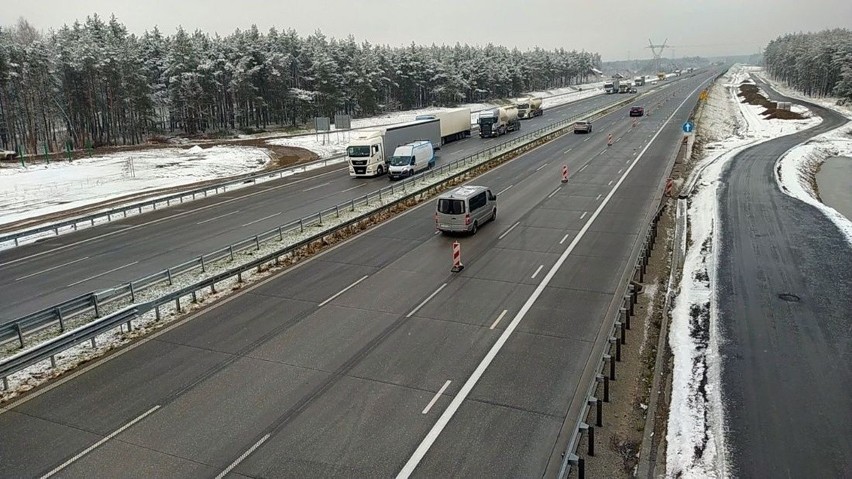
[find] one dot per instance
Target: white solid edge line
(415, 310)
(437, 396)
(504, 190)
(537, 271)
(497, 321)
(508, 230)
(51, 268)
(217, 217)
(101, 274)
(242, 458)
(342, 291)
(99, 443)
(448, 414)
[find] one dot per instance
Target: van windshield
(451, 207)
(400, 160)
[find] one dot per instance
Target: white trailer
(369, 151)
(455, 124)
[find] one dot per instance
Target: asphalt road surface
(40, 275)
(342, 366)
(786, 377)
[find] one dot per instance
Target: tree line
(92, 83)
(818, 64)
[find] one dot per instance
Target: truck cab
(365, 154)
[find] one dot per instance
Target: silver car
(465, 209)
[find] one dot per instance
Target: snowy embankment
(42, 189)
(796, 171)
(334, 142)
(695, 438)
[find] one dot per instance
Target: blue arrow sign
(688, 127)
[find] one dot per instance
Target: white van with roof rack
(465, 209)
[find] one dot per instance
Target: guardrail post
(94, 343)
(96, 305)
(132, 292)
(168, 202)
(280, 234)
(632, 301)
(61, 320)
(352, 208)
(606, 388)
(203, 268)
(213, 288)
(157, 313)
(16, 244)
(129, 325)
(125, 213)
(155, 206)
(320, 217)
(109, 218)
(177, 305)
(337, 210)
(5, 383)
(20, 334)
(301, 226)
(231, 251)
(592, 441)
(140, 209)
(194, 297)
(240, 277)
(169, 275)
(626, 316)
(93, 221)
(617, 349)
(257, 243)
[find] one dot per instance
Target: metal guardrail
(121, 212)
(50, 349)
(618, 319)
(59, 313)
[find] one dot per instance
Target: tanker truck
(369, 151)
(455, 124)
(529, 107)
(498, 121)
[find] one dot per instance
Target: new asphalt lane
(784, 313)
(38, 276)
(290, 378)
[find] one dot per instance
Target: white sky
(616, 29)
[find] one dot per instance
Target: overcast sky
(616, 29)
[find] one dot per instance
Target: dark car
(637, 111)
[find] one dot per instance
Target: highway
(784, 316)
(349, 363)
(40, 275)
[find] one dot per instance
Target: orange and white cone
(457, 264)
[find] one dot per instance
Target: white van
(410, 159)
(465, 209)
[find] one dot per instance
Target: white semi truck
(639, 81)
(369, 151)
(455, 124)
(498, 121)
(529, 107)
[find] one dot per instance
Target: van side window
(491, 196)
(477, 202)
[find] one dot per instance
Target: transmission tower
(658, 54)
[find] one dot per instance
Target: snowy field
(62, 185)
(696, 420)
(37, 190)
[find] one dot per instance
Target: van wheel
(475, 227)
(494, 214)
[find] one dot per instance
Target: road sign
(688, 127)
